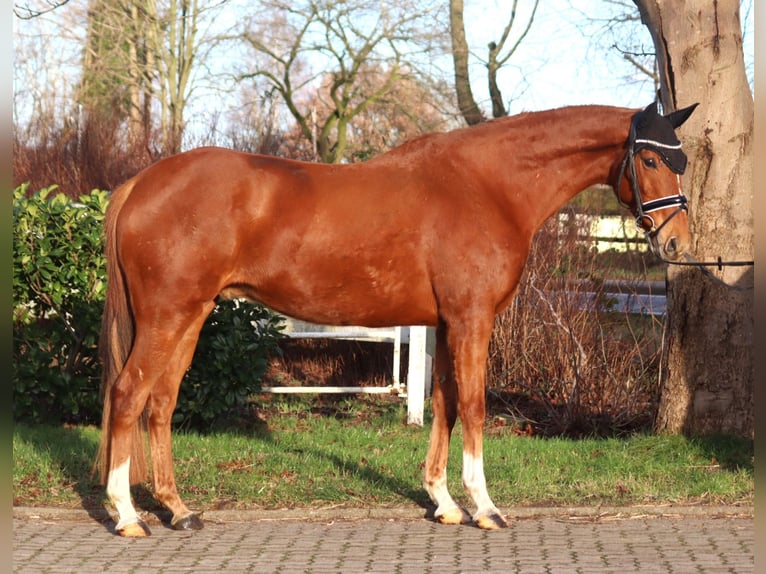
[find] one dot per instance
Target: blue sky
(564, 60)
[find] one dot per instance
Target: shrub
(58, 297)
(59, 287)
(563, 363)
(229, 364)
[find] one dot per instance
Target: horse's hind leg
(152, 351)
(128, 397)
(162, 402)
(444, 408)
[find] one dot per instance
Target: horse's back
(335, 244)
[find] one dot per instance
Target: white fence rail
(632, 297)
(605, 232)
(417, 386)
(646, 298)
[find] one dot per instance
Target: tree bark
(498, 107)
(465, 100)
(708, 377)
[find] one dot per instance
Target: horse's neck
(577, 149)
(571, 174)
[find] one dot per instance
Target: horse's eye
(649, 162)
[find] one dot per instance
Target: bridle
(645, 222)
(645, 208)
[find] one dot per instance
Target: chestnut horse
(435, 232)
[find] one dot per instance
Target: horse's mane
(583, 118)
(433, 140)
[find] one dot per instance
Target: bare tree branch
(27, 13)
(358, 40)
(496, 59)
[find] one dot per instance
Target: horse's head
(649, 181)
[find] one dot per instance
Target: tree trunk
(465, 100)
(498, 107)
(709, 373)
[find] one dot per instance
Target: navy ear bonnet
(650, 130)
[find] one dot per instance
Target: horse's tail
(115, 344)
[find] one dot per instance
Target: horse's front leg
(444, 408)
(470, 359)
(487, 516)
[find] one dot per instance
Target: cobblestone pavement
(547, 544)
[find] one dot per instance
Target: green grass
(359, 453)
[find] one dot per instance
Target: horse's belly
(330, 293)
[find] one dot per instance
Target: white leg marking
(447, 511)
(118, 491)
(476, 485)
(440, 495)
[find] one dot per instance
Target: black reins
(679, 200)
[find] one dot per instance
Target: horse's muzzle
(673, 248)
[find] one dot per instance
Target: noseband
(644, 208)
(645, 221)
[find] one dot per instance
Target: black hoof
(191, 522)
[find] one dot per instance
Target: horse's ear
(678, 117)
(651, 109)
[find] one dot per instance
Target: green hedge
(59, 287)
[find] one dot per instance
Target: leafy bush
(59, 288)
(229, 363)
(58, 298)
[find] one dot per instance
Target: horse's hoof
(134, 530)
(492, 521)
(453, 516)
(191, 522)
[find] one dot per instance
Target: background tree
(708, 386)
(102, 86)
(114, 94)
(497, 56)
(175, 43)
(620, 29)
(127, 98)
(138, 55)
(410, 107)
(335, 48)
(413, 106)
